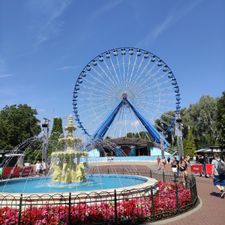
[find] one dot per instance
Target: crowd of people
(180, 168)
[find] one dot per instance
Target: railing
(173, 196)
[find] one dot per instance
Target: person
(163, 163)
(218, 179)
(201, 160)
(43, 167)
(38, 168)
(174, 166)
(183, 168)
(158, 162)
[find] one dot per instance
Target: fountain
(66, 165)
(68, 173)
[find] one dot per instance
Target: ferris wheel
(126, 91)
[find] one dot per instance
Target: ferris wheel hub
(124, 95)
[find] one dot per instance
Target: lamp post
(45, 128)
(179, 135)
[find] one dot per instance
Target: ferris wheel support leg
(162, 153)
(180, 148)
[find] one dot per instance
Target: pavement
(210, 211)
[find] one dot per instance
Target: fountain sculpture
(67, 165)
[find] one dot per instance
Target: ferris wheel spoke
(162, 90)
(116, 77)
(114, 69)
(123, 74)
(94, 86)
(118, 64)
(128, 70)
(96, 90)
(112, 78)
(103, 72)
(144, 74)
(132, 71)
(150, 77)
(100, 82)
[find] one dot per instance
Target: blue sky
(44, 44)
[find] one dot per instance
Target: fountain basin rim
(150, 182)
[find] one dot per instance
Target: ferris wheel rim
(85, 70)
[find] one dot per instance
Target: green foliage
(220, 120)
(33, 153)
(57, 128)
(17, 123)
(56, 133)
(206, 118)
(142, 134)
(189, 144)
(201, 118)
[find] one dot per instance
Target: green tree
(17, 123)
(189, 144)
(57, 128)
(56, 133)
(201, 117)
(220, 120)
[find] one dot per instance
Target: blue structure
(137, 73)
(101, 131)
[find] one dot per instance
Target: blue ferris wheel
(126, 91)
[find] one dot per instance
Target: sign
(196, 168)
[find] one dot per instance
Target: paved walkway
(212, 211)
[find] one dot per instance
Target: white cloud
(50, 12)
(105, 8)
(135, 123)
(6, 75)
(173, 17)
(67, 67)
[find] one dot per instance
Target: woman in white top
(38, 168)
(218, 180)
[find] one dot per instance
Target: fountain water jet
(66, 165)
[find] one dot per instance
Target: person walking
(174, 166)
(163, 163)
(158, 162)
(218, 177)
(202, 161)
(183, 168)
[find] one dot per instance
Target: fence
(125, 207)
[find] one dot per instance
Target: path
(212, 211)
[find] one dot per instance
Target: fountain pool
(95, 182)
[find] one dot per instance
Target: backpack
(221, 168)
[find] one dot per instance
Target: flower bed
(168, 200)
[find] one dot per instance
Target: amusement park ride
(128, 90)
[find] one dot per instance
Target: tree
(17, 123)
(201, 117)
(189, 144)
(57, 128)
(56, 133)
(220, 120)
